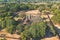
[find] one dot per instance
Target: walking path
(8, 36)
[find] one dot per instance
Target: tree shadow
(57, 31)
(48, 31)
(49, 34)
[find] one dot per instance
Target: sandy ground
(52, 38)
(9, 36)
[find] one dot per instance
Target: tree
(35, 31)
(56, 17)
(5, 0)
(10, 25)
(38, 30)
(25, 35)
(6, 7)
(20, 28)
(14, 7)
(18, 1)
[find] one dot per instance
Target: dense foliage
(27, 0)
(56, 17)
(33, 30)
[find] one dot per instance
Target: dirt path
(52, 38)
(8, 36)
